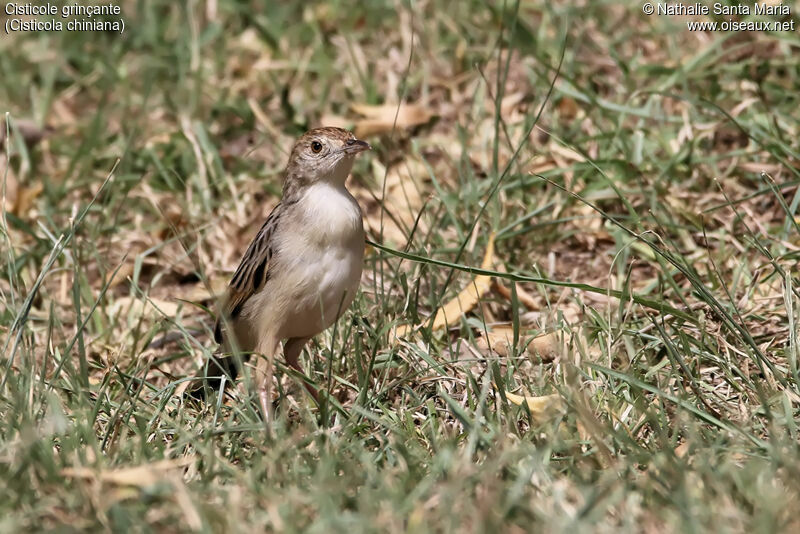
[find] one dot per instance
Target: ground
(580, 301)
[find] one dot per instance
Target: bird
(303, 268)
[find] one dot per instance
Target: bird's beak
(354, 146)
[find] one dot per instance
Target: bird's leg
(265, 369)
(291, 352)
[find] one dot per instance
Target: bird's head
(323, 154)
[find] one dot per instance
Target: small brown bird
(303, 268)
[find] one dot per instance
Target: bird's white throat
(331, 211)
(341, 169)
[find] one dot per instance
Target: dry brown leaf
(566, 153)
(19, 198)
(466, 299)
(541, 408)
(201, 293)
(12, 186)
(507, 105)
(498, 341)
(540, 164)
(547, 347)
(527, 300)
(568, 108)
(336, 120)
(385, 118)
(402, 201)
(122, 274)
(25, 198)
(134, 306)
(752, 166)
(30, 131)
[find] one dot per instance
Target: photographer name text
(718, 8)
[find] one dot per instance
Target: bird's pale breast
(321, 254)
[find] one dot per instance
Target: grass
(642, 185)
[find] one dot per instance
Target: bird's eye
(316, 147)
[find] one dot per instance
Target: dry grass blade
(139, 476)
